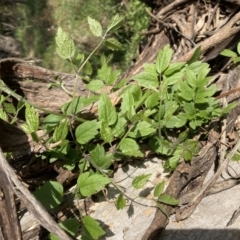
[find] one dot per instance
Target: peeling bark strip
(32, 82)
(43, 217)
(182, 180)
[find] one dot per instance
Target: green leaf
(87, 69)
(74, 106)
(185, 91)
(95, 85)
(147, 80)
(86, 131)
(238, 48)
(187, 155)
(99, 157)
(70, 225)
(61, 131)
(142, 129)
(162, 209)
(106, 111)
(50, 194)
(152, 101)
(174, 67)
(91, 228)
(113, 44)
(130, 147)
(158, 190)
(163, 58)
(65, 46)
(119, 127)
(236, 157)
(91, 184)
(168, 199)
(9, 108)
(127, 102)
(196, 55)
(150, 68)
(32, 119)
(120, 202)
(228, 53)
(191, 78)
(115, 22)
(95, 27)
(140, 181)
(51, 121)
(106, 132)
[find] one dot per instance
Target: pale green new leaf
(120, 202)
(158, 190)
(91, 184)
(86, 131)
(141, 180)
(115, 22)
(61, 131)
(163, 59)
(95, 27)
(106, 111)
(147, 80)
(162, 209)
(168, 199)
(65, 46)
(228, 53)
(32, 118)
(91, 228)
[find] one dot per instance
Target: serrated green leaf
(113, 44)
(87, 69)
(187, 155)
(65, 46)
(32, 118)
(175, 78)
(158, 190)
(150, 68)
(142, 129)
(95, 27)
(147, 80)
(163, 58)
(174, 122)
(74, 106)
(9, 108)
(127, 101)
(91, 184)
(185, 91)
(140, 181)
(106, 132)
(86, 131)
(115, 22)
(99, 157)
(61, 131)
(191, 78)
(70, 225)
(152, 101)
(174, 67)
(196, 55)
(95, 85)
(119, 127)
(91, 228)
(168, 199)
(236, 60)
(3, 116)
(120, 202)
(50, 194)
(130, 147)
(106, 111)
(228, 53)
